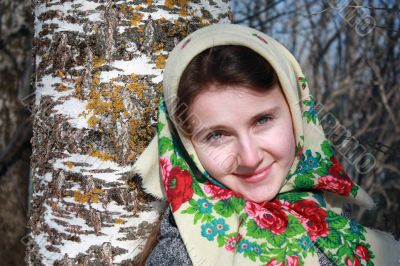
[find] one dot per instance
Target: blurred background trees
(349, 50)
(16, 27)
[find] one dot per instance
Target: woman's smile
(257, 176)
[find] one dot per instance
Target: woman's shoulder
(170, 249)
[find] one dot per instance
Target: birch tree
(98, 68)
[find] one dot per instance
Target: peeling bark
(98, 67)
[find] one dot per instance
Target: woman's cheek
(218, 160)
(279, 142)
(285, 147)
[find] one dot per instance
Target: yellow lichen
(135, 86)
(98, 61)
(90, 196)
(70, 164)
(162, 20)
(132, 131)
(62, 87)
(136, 19)
(124, 9)
(102, 155)
(54, 205)
(105, 92)
(181, 3)
(160, 61)
(60, 74)
(120, 221)
(183, 12)
(132, 156)
(96, 104)
(96, 79)
(183, 6)
(158, 47)
(78, 88)
(140, 29)
(98, 191)
(117, 102)
(169, 3)
(93, 121)
(105, 102)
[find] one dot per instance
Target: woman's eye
(263, 120)
(213, 136)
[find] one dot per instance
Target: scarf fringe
(147, 166)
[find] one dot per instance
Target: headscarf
(220, 227)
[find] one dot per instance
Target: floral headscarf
(220, 227)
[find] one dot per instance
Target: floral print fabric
(283, 231)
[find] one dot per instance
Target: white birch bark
(98, 67)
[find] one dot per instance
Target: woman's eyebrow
(267, 111)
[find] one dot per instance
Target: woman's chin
(258, 198)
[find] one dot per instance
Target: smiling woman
(243, 133)
(242, 160)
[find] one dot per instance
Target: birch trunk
(98, 67)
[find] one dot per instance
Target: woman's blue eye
(214, 136)
(263, 120)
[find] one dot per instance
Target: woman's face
(244, 139)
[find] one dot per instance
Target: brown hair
(226, 65)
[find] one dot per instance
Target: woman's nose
(250, 153)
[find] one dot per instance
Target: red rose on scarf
(274, 262)
(165, 167)
(217, 192)
(268, 215)
(362, 252)
(336, 168)
(178, 187)
(350, 263)
(312, 217)
(292, 261)
(337, 180)
(334, 184)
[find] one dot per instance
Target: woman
(245, 167)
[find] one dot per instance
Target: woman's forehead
(217, 106)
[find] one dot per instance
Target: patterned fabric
(171, 250)
(220, 227)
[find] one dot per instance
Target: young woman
(243, 162)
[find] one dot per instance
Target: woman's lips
(257, 176)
